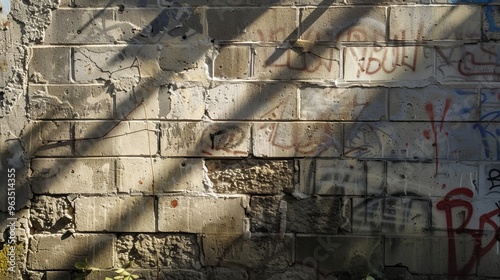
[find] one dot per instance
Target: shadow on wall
(124, 112)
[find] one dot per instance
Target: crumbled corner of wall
(35, 17)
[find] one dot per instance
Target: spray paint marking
(430, 111)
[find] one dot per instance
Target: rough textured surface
(250, 176)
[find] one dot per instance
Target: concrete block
(170, 175)
(50, 138)
(408, 63)
(456, 22)
(65, 176)
(204, 139)
(340, 177)
(343, 103)
(265, 215)
(376, 179)
(351, 24)
(489, 180)
(307, 175)
(124, 65)
(318, 63)
(424, 140)
(70, 102)
(217, 3)
(489, 263)
(296, 271)
(443, 104)
(170, 25)
(106, 3)
(216, 273)
(314, 215)
(115, 138)
(118, 213)
(392, 215)
(57, 275)
(180, 274)
(258, 252)
(250, 176)
(163, 251)
(247, 101)
(432, 179)
(287, 139)
(97, 248)
(353, 254)
(49, 65)
(490, 102)
(202, 214)
(469, 62)
(53, 214)
(252, 24)
(186, 59)
(490, 22)
(78, 26)
(232, 63)
(427, 255)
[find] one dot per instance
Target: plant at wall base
(84, 269)
(123, 273)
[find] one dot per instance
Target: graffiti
(494, 179)
(489, 132)
(429, 107)
(472, 60)
(392, 214)
(461, 198)
(223, 138)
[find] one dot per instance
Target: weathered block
(355, 255)
(432, 179)
(257, 252)
(340, 177)
(343, 103)
(344, 24)
(54, 214)
(216, 273)
(429, 255)
(119, 213)
(489, 180)
(164, 251)
(490, 261)
(49, 65)
(429, 140)
(180, 274)
(97, 248)
(204, 139)
(314, 215)
(115, 138)
(318, 63)
(469, 62)
(50, 138)
(376, 179)
(252, 102)
(167, 25)
(407, 63)
(457, 22)
(70, 102)
(75, 175)
(287, 139)
(83, 27)
(402, 215)
(187, 61)
(250, 176)
(202, 214)
(170, 175)
(440, 104)
(266, 214)
(490, 102)
(125, 66)
(232, 63)
(252, 24)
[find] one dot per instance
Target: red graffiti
(430, 111)
(469, 65)
(449, 202)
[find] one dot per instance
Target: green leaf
(135, 276)
(107, 278)
(120, 270)
(81, 265)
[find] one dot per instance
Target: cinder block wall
(251, 139)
